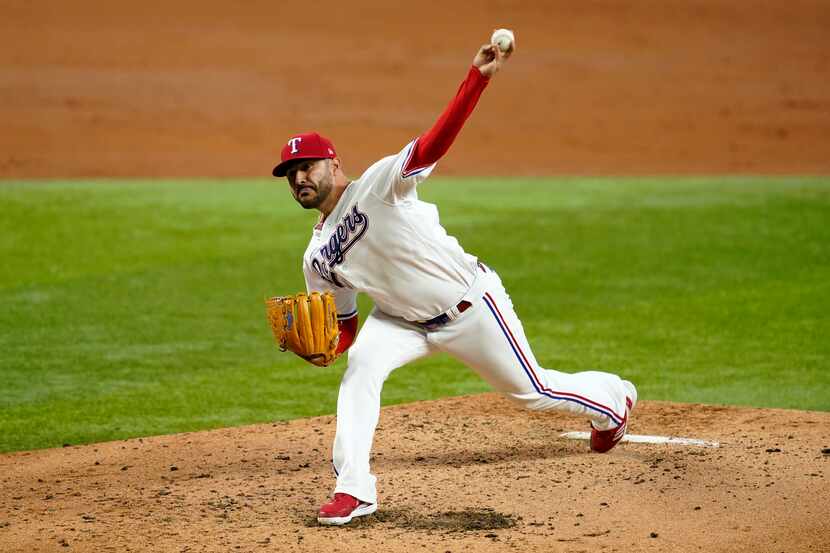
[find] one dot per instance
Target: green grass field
(132, 308)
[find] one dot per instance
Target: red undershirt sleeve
(434, 143)
(348, 331)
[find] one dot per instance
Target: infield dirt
(461, 474)
(90, 88)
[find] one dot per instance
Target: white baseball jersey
(382, 240)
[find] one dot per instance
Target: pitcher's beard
(315, 198)
(311, 201)
(310, 205)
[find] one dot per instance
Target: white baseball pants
(488, 337)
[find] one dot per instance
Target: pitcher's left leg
(383, 344)
(489, 338)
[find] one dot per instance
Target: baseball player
(375, 236)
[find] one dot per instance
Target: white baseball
(503, 38)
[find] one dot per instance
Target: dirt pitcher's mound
(463, 474)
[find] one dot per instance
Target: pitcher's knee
(364, 373)
(531, 401)
(360, 386)
(363, 359)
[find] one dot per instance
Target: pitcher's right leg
(489, 338)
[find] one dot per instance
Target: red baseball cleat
(343, 508)
(603, 441)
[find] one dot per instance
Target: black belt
(443, 318)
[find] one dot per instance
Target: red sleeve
(434, 143)
(348, 331)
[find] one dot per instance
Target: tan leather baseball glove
(305, 324)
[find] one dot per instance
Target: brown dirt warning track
(185, 88)
(181, 88)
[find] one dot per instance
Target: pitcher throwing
(375, 236)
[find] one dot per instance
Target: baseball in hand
(503, 38)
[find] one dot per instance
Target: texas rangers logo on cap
(304, 146)
(294, 142)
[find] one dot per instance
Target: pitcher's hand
(490, 58)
